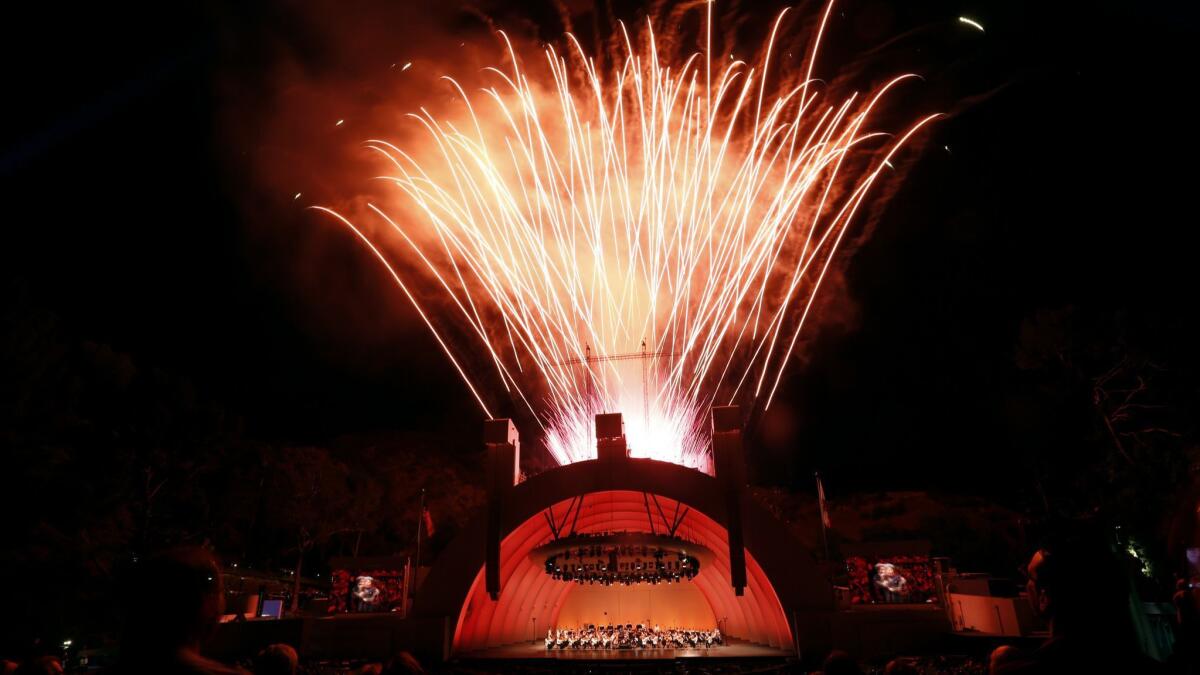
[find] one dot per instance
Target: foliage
(108, 459)
(1105, 419)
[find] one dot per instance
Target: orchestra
(629, 636)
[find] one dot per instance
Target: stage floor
(536, 651)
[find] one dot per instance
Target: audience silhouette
(840, 663)
(173, 602)
(276, 659)
(1078, 587)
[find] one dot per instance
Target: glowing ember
(647, 240)
(972, 23)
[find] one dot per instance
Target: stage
(536, 651)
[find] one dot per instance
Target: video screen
(891, 580)
(272, 609)
(367, 590)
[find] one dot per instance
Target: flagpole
(407, 586)
(420, 523)
(821, 514)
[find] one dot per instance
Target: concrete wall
(887, 630)
(364, 636)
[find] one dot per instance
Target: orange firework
(678, 209)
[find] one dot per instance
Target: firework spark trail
(571, 220)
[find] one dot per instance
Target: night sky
(132, 213)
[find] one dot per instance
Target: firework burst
(645, 238)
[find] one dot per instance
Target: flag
(826, 521)
(428, 520)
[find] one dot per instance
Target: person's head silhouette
(173, 600)
(840, 663)
(277, 659)
(1076, 584)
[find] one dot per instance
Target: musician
(889, 580)
(366, 594)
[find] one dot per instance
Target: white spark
(972, 23)
(565, 230)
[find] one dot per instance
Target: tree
(309, 497)
(1104, 415)
(108, 458)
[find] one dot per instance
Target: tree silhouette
(309, 499)
(1104, 416)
